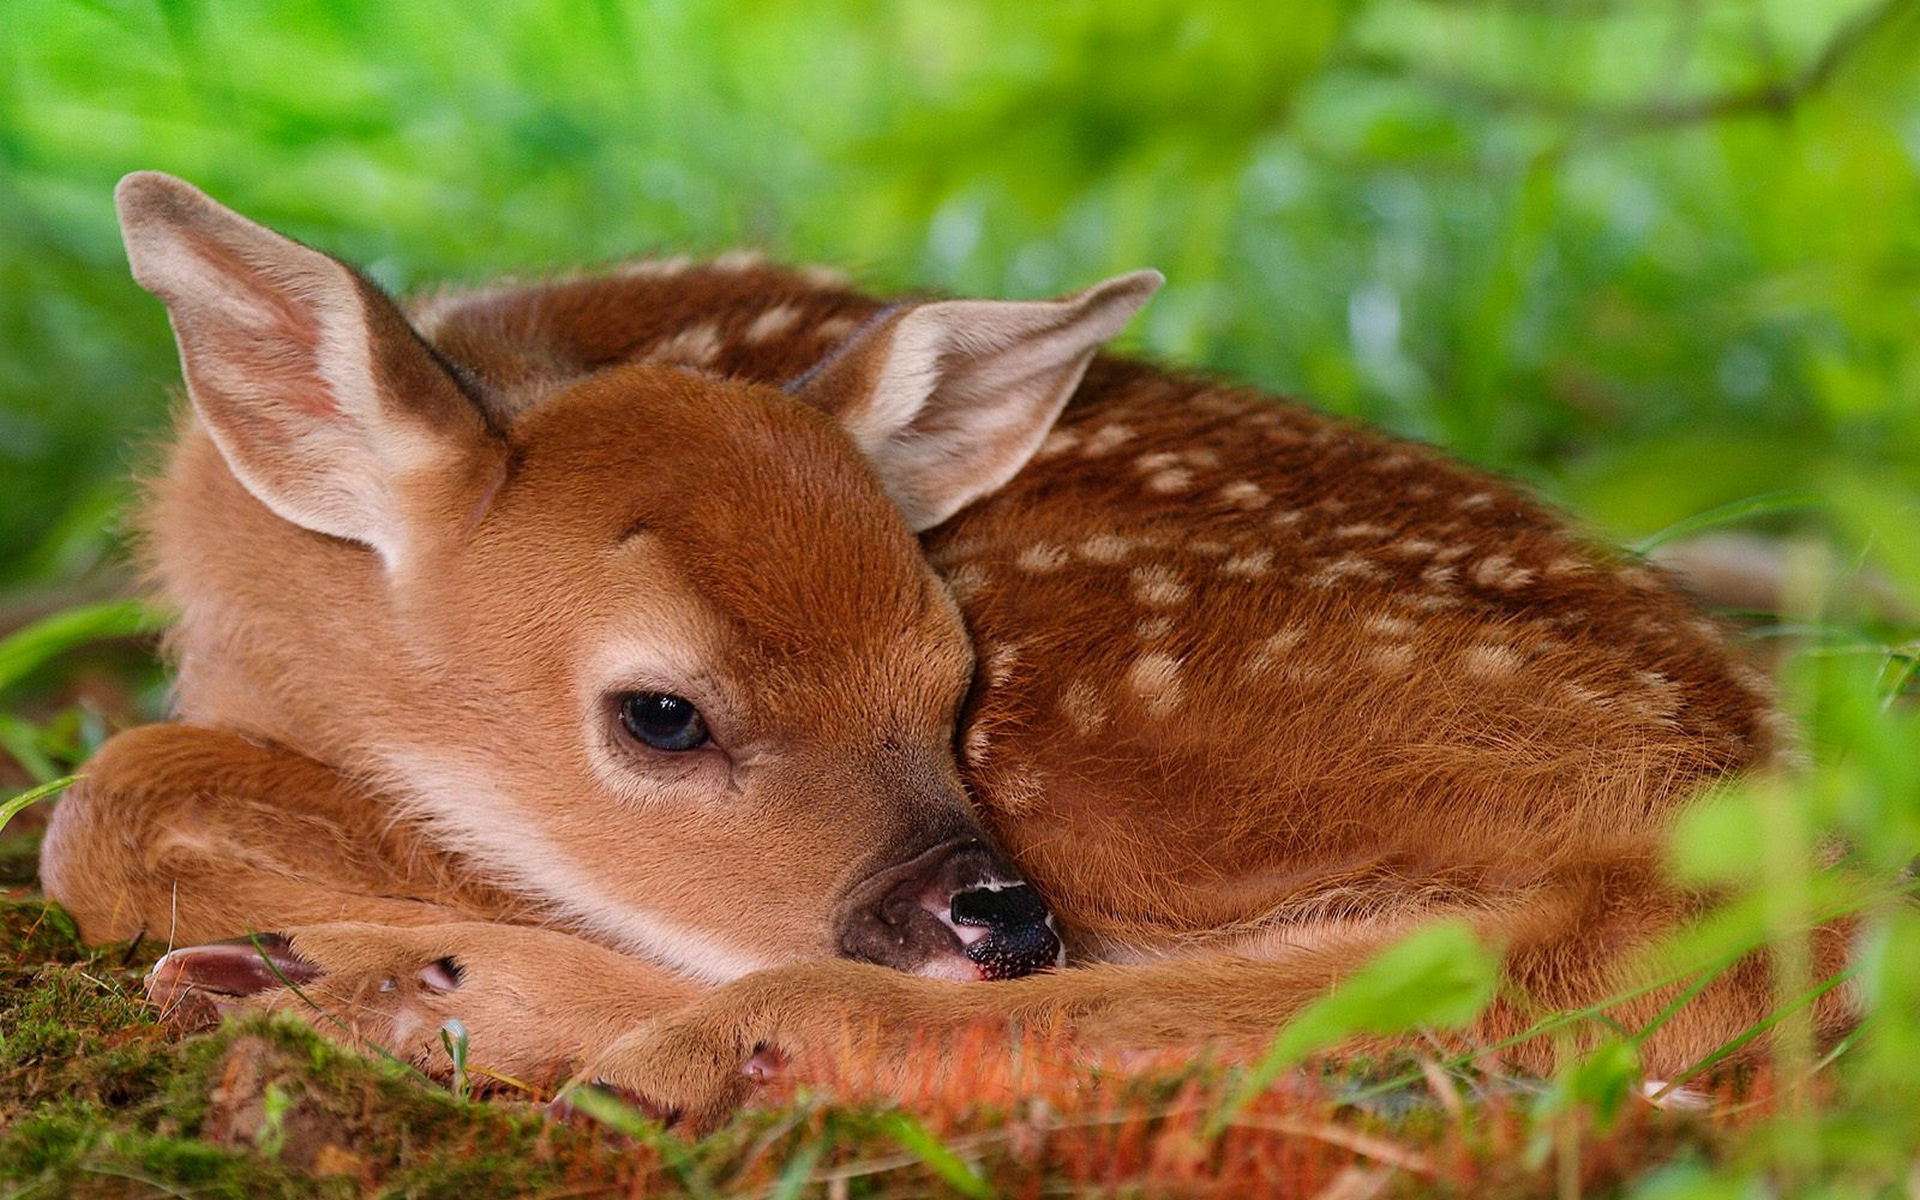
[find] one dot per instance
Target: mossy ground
(100, 1098)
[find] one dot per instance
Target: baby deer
(550, 654)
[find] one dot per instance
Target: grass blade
(13, 806)
(46, 639)
(915, 1139)
(1762, 505)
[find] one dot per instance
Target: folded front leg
(532, 1003)
(187, 834)
(698, 1059)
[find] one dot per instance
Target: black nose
(1020, 939)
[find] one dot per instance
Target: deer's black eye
(663, 721)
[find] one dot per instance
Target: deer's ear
(326, 405)
(949, 399)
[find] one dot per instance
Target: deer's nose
(956, 910)
(1019, 931)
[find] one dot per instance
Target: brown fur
(1256, 691)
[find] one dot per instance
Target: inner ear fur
(949, 399)
(324, 402)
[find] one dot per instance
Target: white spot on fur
(738, 260)
(1014, 787)
(1202, 457)
(1413, 548)
(1286, 518)
(771, 324)
(1041, 558)
(1396, 659)
(1080, 705)
(1579, 693)
(1060, 441)
(822, 276)
(1476, 501)
(1106, 439)
(698, 345)
(834, 329)
(1152, 629)
(1659, 698)
(654, 268)
(1490, 662)
(1306, 670)
(1752, 679)
(1389, 626)
(1501, 572)
(1567, 565)
(1105, 548)
(1705, 627)
(1159, 586)
(1362, 529)
(997, 667)
(968, 581)
(1273, 648)
(978, 743)
(1342, 569)
(1251, 565)
(1243, 493)
(1155, 678)
(1178, 479)
(1158, 460)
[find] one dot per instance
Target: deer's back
(1234, 654)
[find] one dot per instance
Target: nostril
(1020, 938)
(998, 907)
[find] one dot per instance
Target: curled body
(961, 617)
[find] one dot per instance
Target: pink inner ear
(277, 348)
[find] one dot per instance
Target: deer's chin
(957, 967)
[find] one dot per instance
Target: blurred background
(1654, 256)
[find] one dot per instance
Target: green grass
(1662, 261)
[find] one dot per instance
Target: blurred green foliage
(1653, 256)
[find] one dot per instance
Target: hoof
(197, 981)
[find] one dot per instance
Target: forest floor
(100, 1097)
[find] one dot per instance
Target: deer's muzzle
(954, 911)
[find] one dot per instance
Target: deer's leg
(187, 834)
(1567, 946)
(290, 888)
(531, 1003)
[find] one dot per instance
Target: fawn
(561, 657)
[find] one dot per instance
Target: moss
(34, 932)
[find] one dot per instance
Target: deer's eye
(663, 721)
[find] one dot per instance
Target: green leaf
(915, 1140)
(13, 806)
(1440, 977)
(1719, 839)
(798, 1172)
(52, 636)
(1729, 514)
(1600, 1081)
(22, 740)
